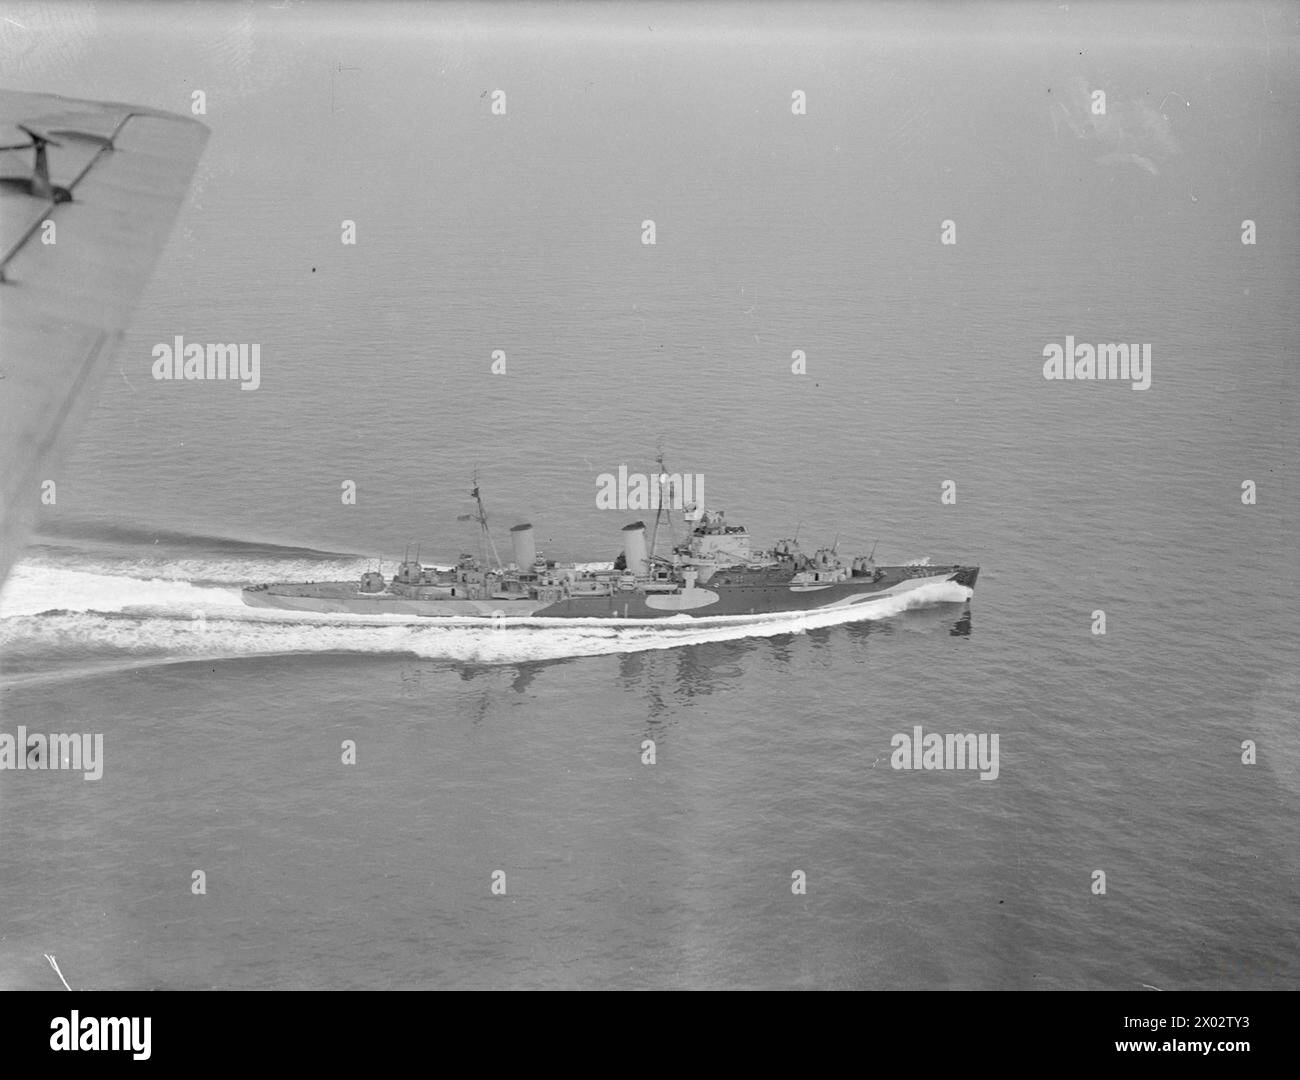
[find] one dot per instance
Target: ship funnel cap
(634, 552)
(525, 547)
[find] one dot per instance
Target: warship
(715, 571)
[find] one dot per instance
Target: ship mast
(485, 534)
(660, 511)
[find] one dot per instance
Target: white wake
(81, 616)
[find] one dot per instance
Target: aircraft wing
(124, 172)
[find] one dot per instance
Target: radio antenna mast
(659, 509)
(483, 524)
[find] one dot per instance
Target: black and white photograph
(649, 496)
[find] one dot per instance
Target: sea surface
(482, 749)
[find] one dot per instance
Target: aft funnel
(521, 536)
(634, 549)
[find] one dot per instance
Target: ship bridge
(713, 540)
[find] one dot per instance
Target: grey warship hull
(727, 593)
(714, 573)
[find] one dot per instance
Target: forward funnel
(634, 549)
(521, 536)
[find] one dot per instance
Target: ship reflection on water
(694, 671)
(668, 678)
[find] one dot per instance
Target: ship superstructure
(715, 571)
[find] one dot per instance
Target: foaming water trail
(32, 590)
(83, 618)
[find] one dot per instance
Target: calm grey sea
(520, 751)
